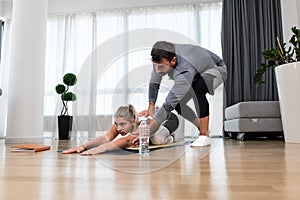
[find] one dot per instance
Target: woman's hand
(136, 140)
(93, 151)
(78, 149)
(88, 152)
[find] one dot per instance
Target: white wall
(298, 8)
(289, 8)
(71, 6)
(290, 16)
(5, 9)
(1, 8)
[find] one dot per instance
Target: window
(110, 53)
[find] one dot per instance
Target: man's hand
(150, 111)
(144, 113)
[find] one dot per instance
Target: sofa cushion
(256, 109)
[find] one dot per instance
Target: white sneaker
(201, 141)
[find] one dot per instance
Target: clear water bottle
(144, 134)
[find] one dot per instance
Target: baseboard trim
(23, 140)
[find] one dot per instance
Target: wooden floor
(227, 170)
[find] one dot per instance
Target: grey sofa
(256, 118)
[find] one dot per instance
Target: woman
(122, 133)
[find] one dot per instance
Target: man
(195, 71)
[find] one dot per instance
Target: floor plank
(228, 169)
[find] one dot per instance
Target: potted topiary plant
(64, 119)
(286, 63)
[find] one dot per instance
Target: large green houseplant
(64, 119)
(279, 55)
(286, 63)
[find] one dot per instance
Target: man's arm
(151, 108)
(182, 84)
(152, 95)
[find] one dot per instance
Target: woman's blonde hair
(127, 112)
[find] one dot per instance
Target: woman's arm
(120, 143)
(107, 137)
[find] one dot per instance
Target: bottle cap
(143, 118)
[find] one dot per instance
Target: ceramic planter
(288, 84)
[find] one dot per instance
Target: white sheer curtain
(110, 53)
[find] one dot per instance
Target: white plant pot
(288, 85)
